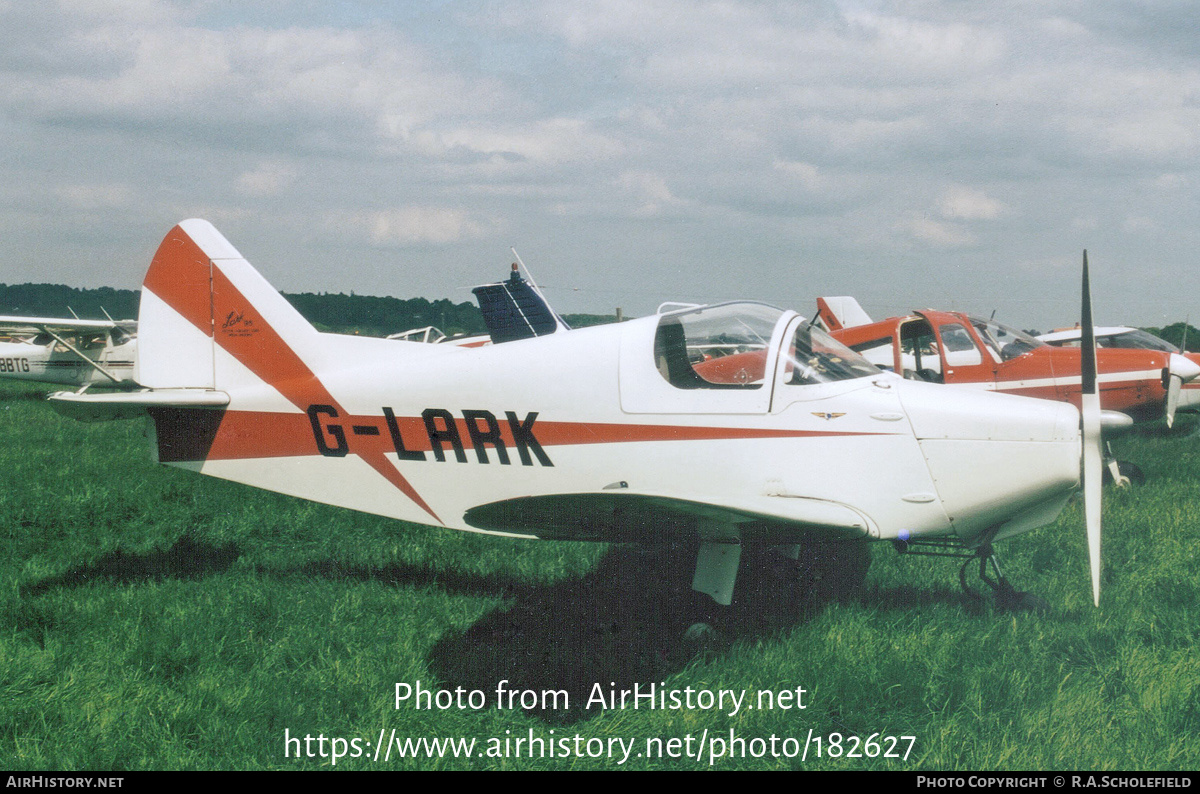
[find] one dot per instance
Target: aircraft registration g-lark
(954, 348)
(71, 352)
(607, 433)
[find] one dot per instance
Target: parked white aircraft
(68, 351)
(607, 433)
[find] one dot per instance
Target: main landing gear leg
(1121, 472)
(1007, 596)
(716, 574)
(716, 570)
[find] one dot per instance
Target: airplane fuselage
(955, 349)
(51, 362)
(505, 438)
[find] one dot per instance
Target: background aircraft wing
(16, 324)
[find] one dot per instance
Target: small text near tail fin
(207, 316)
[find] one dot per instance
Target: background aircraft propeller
(1174, 384)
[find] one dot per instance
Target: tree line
(335, 312)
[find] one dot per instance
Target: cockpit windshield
(728, 347)
(816, 357)
(1137, 339)
(716, 347)
(1007, 343)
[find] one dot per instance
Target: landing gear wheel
(700, 634)
(1130, 474)
(1007, 597)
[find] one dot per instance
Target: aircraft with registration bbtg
(609, 433)
(71, 352)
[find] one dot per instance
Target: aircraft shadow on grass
(625, 622)
(186, 559)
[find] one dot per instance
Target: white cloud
(268, 179)
(805, 174)
(555, 140)
(91, 197)
(415, 224)
(964, 203)
(937, 233)
(649, 191)
(1137, 224)
(799, 132)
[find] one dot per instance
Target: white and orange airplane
(607, 433)
(1181, 395)
(71, 352)
(957, 349)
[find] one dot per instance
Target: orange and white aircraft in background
(607, 433)
(1186, 396)
(71, 352)
(955, 348)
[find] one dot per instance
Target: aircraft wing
(618, 515)
(16, 324)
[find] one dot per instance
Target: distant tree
(56, 300)
(1174, 333)
(584, 320)
(336, 312)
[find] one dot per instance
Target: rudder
(207, 316)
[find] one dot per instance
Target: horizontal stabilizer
(130, 405)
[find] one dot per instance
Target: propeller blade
(1173, 388)
(1093, 451)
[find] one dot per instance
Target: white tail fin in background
(841, 312)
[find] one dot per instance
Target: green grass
(154, 619)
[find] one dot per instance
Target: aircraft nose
(997, 461)
(1183, 367)
(962, 414)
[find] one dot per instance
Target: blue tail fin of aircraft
(516, 309)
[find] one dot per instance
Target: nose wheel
(1123, 473)
(1006, 596)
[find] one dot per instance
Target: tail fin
(516, 309)
(207, 316)
(233, 374)
(841, 312)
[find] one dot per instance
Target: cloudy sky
(948, 154)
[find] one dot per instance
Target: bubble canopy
(728, 345)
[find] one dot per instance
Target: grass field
(154, 619)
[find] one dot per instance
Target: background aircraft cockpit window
(716, 347)
(878, 352)
(958, 346)
(816, 357)
(919, 351)
(1008, 343)
(1137, 339)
